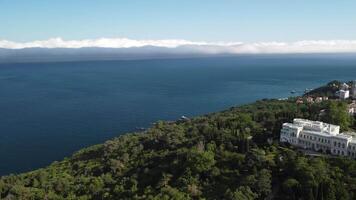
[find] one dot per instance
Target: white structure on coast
(347, 91)
(319, 136)
(344, 94)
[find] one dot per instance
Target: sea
(49, 110)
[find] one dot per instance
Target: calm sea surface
(50, 110)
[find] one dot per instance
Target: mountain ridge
(39, 54)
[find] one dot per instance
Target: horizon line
(302, 46)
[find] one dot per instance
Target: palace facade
(319, 136)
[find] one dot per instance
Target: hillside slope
(232, 154)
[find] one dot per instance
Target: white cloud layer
(308, 46)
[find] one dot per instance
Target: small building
(310, 100)
(318, 99)
(351, 108)
(300, 101)
(344, 94)
(325, 98)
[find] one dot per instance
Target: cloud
(307, 46)
(102, 42)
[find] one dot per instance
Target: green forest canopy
(233, 154)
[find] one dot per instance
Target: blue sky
(197, 20)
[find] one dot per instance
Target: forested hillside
(234, 154)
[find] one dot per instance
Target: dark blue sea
(50, 110)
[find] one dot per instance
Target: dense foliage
(232, 154)
(328, 90)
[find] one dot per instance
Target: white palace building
(319, 136)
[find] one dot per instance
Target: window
(343, 145)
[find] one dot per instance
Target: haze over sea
(50, 110)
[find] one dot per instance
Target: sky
(193, 20)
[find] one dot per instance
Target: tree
(263, 184)
(242, 193)
(291, 188)
(170, 193)
(200, 161)
(337, 114)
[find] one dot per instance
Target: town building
(318, 99)
(319, 136)
(344, 86)
(310, 100)
(300, 100)
(344, 94)
(351, 108)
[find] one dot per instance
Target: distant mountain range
(58, 49)
(99, 53)
(131, 53)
